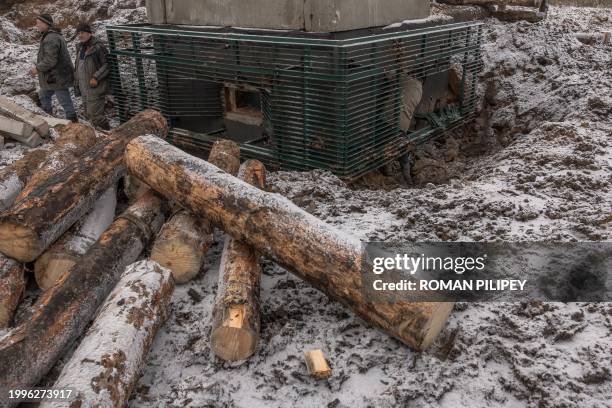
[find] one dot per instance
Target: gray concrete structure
(307, 15)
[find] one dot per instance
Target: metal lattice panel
(302, 102)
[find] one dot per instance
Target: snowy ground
(536, 166)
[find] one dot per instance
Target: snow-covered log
(317, 252)
(74, 140)
(236, 321)
(49, 210)
(64, 253)
(106, 365)
(63, 312)
(523, 3)
(12, 286)
(185, 239)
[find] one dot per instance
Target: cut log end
(317, 365)
(18, 242)
(434, 317)
(234, 340)
(180, 258)
(48, 270)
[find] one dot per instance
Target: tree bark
(317, 252)
(12, 286)
(185, 239)
(74, 140)
(523, 3)
(106, 365)
(63, 312)
(51, 208)
(65, 252)
(236, 321)
(519, 15)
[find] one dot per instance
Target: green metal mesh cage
(299, 101)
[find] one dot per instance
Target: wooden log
(12, 286)
(185, 239)
(523, 3)
(236, 321)
(317, 365)
(592, 38)
(181, 246)
(50, 209)
(65, 252)
(317, 252)
(63, 312)
(74, 140)
(106, 365)
(513, 15)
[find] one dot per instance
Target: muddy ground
(536, 165)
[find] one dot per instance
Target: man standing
(54, 68)
(91, 75)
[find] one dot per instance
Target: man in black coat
(54, 68)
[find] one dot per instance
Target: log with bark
(185, 239)
(317, 252)
(12, 286)
(236, 321)
(106, 365)
(65, 252)
(49, 210)
(63, 312)
(523, 3)
(74, 140)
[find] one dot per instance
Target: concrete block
(12, 110)
(15, 128)
(344, 15)
(308, 15)
(32, 140)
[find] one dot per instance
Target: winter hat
(46, 18)
(83, 28)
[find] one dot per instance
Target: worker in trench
(91, 72)
(54, 68)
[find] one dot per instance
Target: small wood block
(317, 365)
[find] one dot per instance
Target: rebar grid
(325, 103)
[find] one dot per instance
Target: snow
(536, 167)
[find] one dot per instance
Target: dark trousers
(64, 98)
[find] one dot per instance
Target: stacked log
(64, 253)
(74, 140)
(236, 321)
(319, 253)
(12, 286)
(63, 312)
(56, 203)
(184, 239)
(106, 365)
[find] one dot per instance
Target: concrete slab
(308, 15)
(32, 140)
(12, 110)
(15, 128)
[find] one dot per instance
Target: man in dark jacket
(54, 68)
(91, 72)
